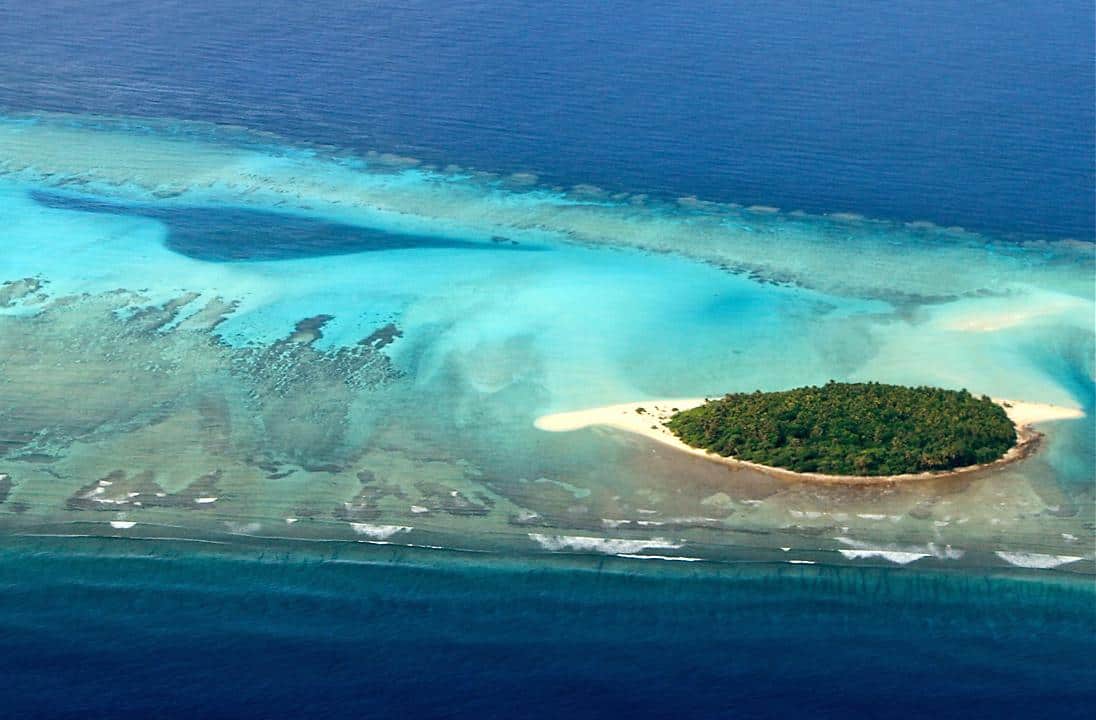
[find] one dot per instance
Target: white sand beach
(647, 418)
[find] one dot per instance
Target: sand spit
(648, 418)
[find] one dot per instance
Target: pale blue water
(600, 279)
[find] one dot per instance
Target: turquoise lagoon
(210, 333)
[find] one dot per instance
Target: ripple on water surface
(260, 333)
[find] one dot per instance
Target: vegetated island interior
(867, 429)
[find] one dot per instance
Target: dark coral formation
(442, 498)
(93, 366)
(14, 291)
(365, 505)
(119, 491)
(303, 395)
(286, 366)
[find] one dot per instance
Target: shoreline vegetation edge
(648, 418)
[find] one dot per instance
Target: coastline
(647, 418)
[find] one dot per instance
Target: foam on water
(379, 532)
(668, 558)
(609, 546)
(901, 557)
(1036, 560)
(488, 626)
(897, 553)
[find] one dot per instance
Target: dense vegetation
(851, 428)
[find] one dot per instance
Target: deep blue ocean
(979, 114)
(95, 629)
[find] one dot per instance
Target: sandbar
(648, 418)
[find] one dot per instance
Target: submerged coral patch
(88, 367)
(269, 333)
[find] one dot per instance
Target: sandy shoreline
(646, 418)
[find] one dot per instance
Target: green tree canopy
(851, 428)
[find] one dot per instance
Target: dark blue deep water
(237, 234)
(975, 113)
(94, 634)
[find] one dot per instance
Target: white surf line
(144, 538)
(900, 557)
(601, 545)
(672, 558)
(900, 554)
(379, 532)
(1040, 561)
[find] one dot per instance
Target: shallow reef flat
(209, 333)
(177, 162)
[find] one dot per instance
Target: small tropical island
(851, 429)
(864, 432)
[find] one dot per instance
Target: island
(838, 432)
(851, 428)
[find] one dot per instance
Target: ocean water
(978, 115)
(282, 293)
(97, 627)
